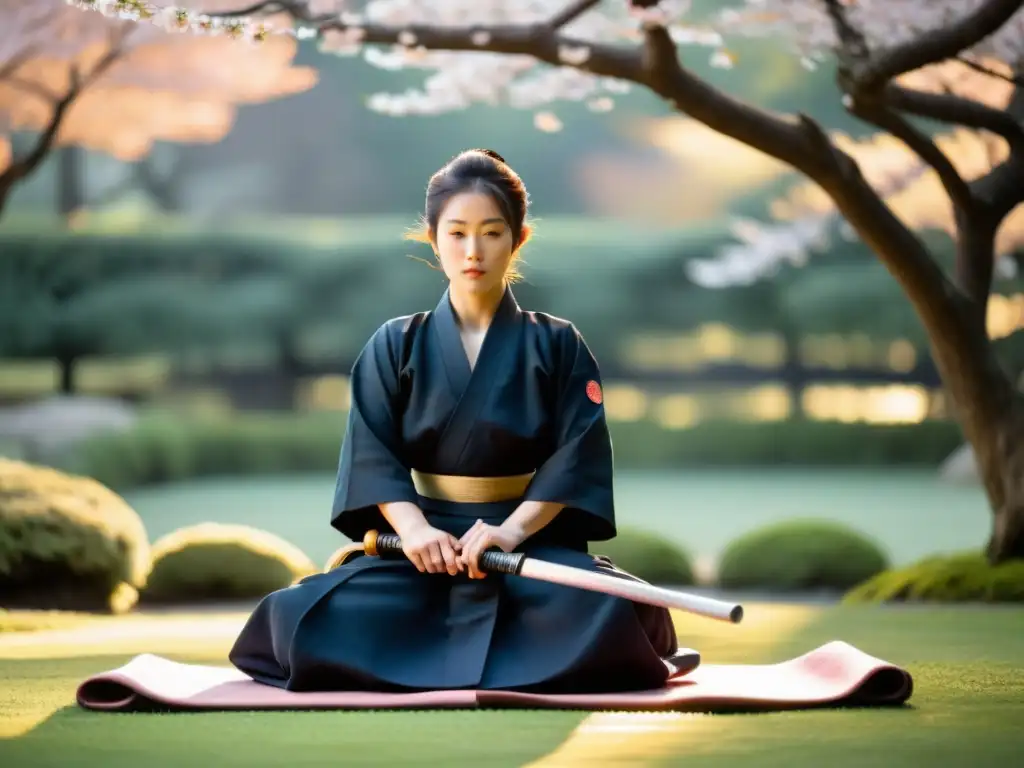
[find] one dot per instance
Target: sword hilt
(491, 561)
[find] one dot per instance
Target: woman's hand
(482, 537)
(431, 550)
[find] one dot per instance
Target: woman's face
(474, 243)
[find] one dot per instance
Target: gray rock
(960, 466)
(43, 430)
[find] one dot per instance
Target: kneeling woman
(472, 426)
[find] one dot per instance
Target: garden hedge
(167, 448)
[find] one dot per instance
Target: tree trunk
(290, 365)
(5, 194)
(990, 411)
(68, 368)
(987, 406)
(793, 373)
(70, 192)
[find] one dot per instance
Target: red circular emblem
(594, 392)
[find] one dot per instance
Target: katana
(518, 564)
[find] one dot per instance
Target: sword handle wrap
(492, 561)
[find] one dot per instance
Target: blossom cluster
(807, 25)
(458, 79)
(461, 79)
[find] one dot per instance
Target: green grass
(966, 709)
(911, 513)
(33, 621)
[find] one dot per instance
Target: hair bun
(492, 154)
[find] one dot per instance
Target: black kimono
(531, 403)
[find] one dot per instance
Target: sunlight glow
(891, 404)
(645, 738)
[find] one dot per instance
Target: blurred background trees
(215, 229)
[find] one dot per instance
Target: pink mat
(834, 674)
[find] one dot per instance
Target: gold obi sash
(470, 490)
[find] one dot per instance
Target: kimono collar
(496, 342)
(508, 310)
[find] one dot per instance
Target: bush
(800, 554)
(167, 448)
(214, 561)
(67, 542)
(966, 577)
(648, 556)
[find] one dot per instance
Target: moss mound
(67, 542)
(964, 577)
(214, 561)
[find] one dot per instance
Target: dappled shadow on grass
(73, 736)
(45, 727)
(967, 704)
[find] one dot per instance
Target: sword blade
(640, 592)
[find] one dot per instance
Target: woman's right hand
(431, 550)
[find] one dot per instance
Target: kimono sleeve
(370, 470)
(579, 473)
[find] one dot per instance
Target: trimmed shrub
(965, 577)
(800, 554)
(67, 542)
(648, 556)
(216, 561)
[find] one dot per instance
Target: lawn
(968, 665)
(911, 513)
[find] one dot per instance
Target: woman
(473, 426)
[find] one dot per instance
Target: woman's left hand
(482, 537)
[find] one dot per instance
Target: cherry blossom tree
(806, 219)
(115, 85)
(533, 53)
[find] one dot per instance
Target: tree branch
(957, 110)
(14, 63)
(978, 67)
(853, 47)
(36, 89)
(898, 248)
(918, 142)
(21, 168)
(537, 40)
(805, 146)
(1002, 188)
(570, 13)
(937, 45)
(267, 6)
(796, 141)
(298, 9)
(975, 262)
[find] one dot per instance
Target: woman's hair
(478, 170)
